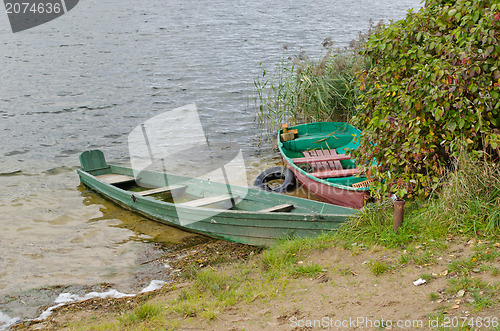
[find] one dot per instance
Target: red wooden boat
(317, 154)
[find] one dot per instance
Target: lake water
(86, 79)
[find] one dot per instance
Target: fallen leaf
(461, 293)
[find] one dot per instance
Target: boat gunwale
(218, 210)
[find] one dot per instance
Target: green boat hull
(244, 222)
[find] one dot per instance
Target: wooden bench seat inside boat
(321, 158)
(326, 163)
(335, 173)
(166, 189)
(279, 208)
(115, 179)
(207, 201)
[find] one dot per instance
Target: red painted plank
(336, 163)
(314, 165)
(335, 173)
(322, 158)
(325, 166)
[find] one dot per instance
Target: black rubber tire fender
(289, 180)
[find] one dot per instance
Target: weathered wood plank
(115, 179)
(335, 173)
(278, 208)
(162, 190)
(336, 163)
(207, 201)
(325, 166)
(321, 158)
(315, 165)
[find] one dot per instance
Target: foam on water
(6, 321)
(66, 298)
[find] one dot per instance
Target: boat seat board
(321, 158)
(323, 165)
(335, 173)
(93, 161)
(165, 189)
(115, 179)
(207, 201)
(336, 163)
(279, 208)
(315, 165)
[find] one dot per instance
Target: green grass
(310, 270)
(141, 313)
(378, 268)
(465, 283)
(404, 259)
(481, 300)
(463, 265)
(434, 296)
(427, 277)
(467, 205)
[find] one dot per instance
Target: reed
(302, 90)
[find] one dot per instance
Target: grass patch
(434, 296)
(481, 299)
(427, 277)
(463, 266)
(404, 258)
(282, 259)
(426, 257)
(310, 270)
(378, 268)
(465, 283)
(141, 313)
(468, 204)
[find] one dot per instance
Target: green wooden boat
(316, 154)
(243, 215)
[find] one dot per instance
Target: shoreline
(166, 265)
(348, 287)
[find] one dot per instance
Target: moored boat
(317, 154)
(207, 207)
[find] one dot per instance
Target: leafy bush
(433, 88)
